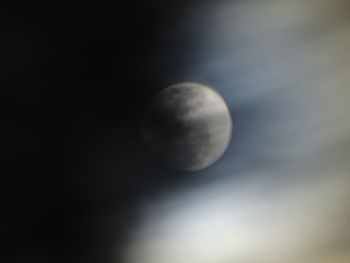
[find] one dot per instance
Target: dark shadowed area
(73, 87)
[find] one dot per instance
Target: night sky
(80, 185)
(75, 85)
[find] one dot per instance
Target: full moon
(189, 125)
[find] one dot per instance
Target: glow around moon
(189, 124)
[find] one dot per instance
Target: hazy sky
(78, 184)
(280, 193)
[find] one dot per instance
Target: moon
(189, 125)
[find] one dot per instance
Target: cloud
(280, 193)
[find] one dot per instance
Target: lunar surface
(189, 124)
